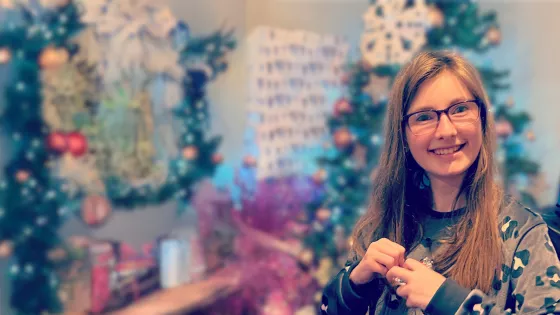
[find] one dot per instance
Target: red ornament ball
(95, 210)
(342, 138)
(320, 176)
(504, 128)
(323, 214)
(22, 176)
(217, 158)
(494, 35)
(77, 144)
(56, 141)
(342, 107)
(250, 161)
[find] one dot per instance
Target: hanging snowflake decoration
(394, 31)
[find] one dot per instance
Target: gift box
(74, 273)
(121, 275)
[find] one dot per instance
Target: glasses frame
(405, 119)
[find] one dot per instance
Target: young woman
(439, 236)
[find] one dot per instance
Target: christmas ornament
(95, 210)
(5, 55)
(249, 161)
(57, 142)
(22, 176)
(323, 214)
(393, 32)
(306, 257)
(342, 106)
(531, 136)
(77, 144)
(217, 158)
(6, 249)
(53, 57)
(342, 138)
(190, 152)
(435, 16)
(320, 176)
(504, 128)
(494, 35)
(510, 102)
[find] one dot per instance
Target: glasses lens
(423, 122)
(463, 113)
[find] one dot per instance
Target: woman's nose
(445, 127)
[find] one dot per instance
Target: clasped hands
(418, 284)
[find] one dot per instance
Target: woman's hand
(419, 283)
(380, 257)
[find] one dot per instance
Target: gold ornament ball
(342, 138)
(6, 249)
(190, 152)
(494, 35)
(435, 17)
(306, 257)
(53, 57)
(5, 55)
(320, 176)
(531, 136)
(323, 214)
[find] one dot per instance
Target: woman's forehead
(440, 92)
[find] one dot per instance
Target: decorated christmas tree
(34, 199)
(394, 32)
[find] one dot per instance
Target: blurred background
(211, 157)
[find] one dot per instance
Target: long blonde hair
(474, 255)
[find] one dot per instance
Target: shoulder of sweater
(515, 220)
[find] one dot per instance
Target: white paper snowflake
(393, 31)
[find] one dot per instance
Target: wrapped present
(121, 275)
(74, 272)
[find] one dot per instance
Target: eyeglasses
(427, 121)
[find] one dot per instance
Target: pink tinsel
(271, 279)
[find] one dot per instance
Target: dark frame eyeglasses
(406, 118)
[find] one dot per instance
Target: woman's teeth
(448, 150)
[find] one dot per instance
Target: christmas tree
(395, 31)
(34, 202)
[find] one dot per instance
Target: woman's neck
(444, 192)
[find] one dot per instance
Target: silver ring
(399, 281)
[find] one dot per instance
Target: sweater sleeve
(341, 296)
(534, 274)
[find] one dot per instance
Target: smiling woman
(436, 200)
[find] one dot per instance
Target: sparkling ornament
(342, 138)
(6, 249)
(57, 142)
(393, 32)
(531, 136)
(249, 161)
(22, 176)
(77, 144)
(435, 16)
(95, 210)
(320, 176)
(5, 55)
(504, 128)
(53, 57)
(323, 214)
(190, 152)
(494, 35)
(217, 158)
(342, 107)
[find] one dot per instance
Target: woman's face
(450, 149)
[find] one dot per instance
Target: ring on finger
(399, 281)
